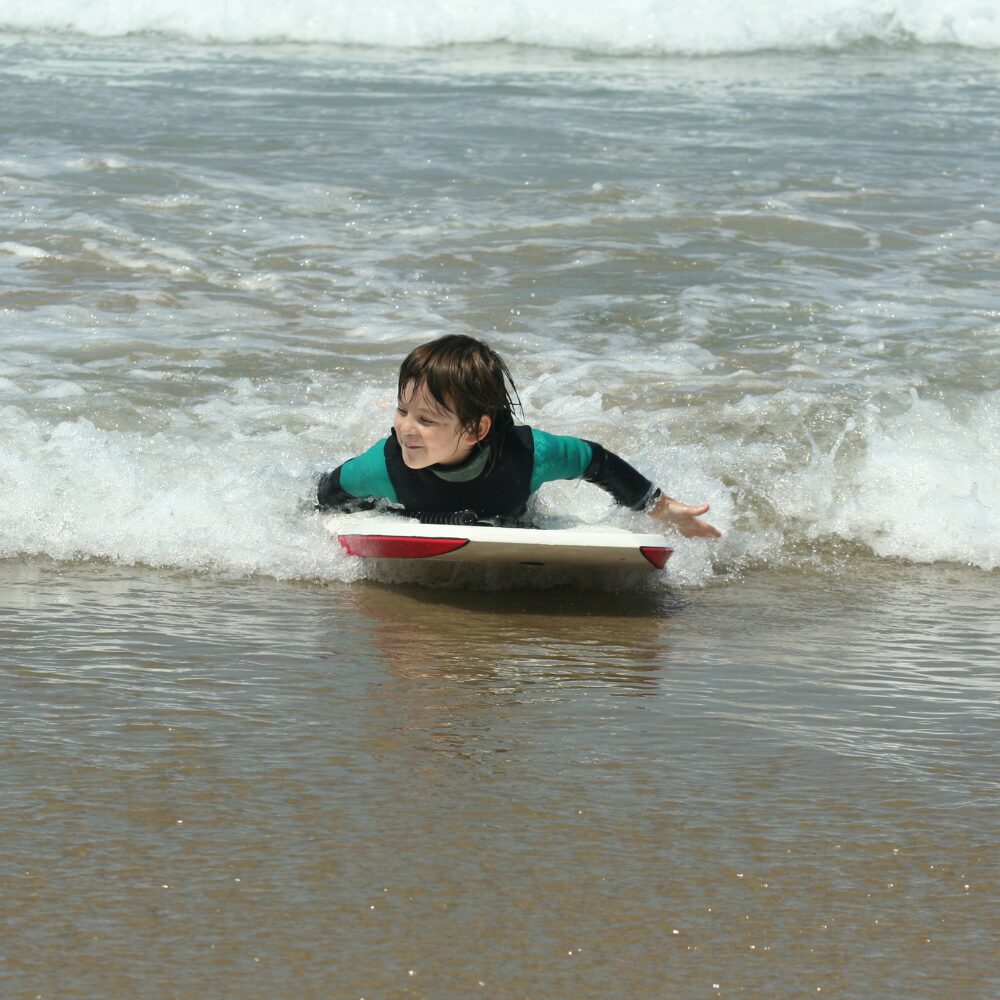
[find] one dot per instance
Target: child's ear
(484, 428)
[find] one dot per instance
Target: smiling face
(428, 433)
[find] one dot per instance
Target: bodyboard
(394, 537)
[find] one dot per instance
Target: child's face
(429, 434)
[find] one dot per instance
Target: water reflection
(476, 674)
(521, 638)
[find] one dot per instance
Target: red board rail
(396, 547)
(656, 554)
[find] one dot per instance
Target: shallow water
(767, 280)
(257, 789)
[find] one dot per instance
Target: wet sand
(771, 787)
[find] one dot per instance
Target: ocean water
(752, 249)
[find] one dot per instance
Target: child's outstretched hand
(687, 520)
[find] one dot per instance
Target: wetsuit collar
(471, 468)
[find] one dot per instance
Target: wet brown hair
(469, 379)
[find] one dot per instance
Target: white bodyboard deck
(388, 537)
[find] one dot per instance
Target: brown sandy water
(776, 787)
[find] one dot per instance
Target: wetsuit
(500, 486)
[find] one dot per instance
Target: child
(454, 447)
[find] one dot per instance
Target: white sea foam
(630, 26)
(228, 485)
(919, 482)
(22, 251)
(927, 487)
(75, 491)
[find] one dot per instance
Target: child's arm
(357, 484)
(330, 495)
(632, 489)
(559, 457)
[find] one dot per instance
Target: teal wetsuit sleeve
(367, 475)
(558, 457)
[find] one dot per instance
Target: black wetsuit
(489, 485)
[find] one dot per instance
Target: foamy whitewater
(627, 27)
(767, 277)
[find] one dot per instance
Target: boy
(454, 447)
